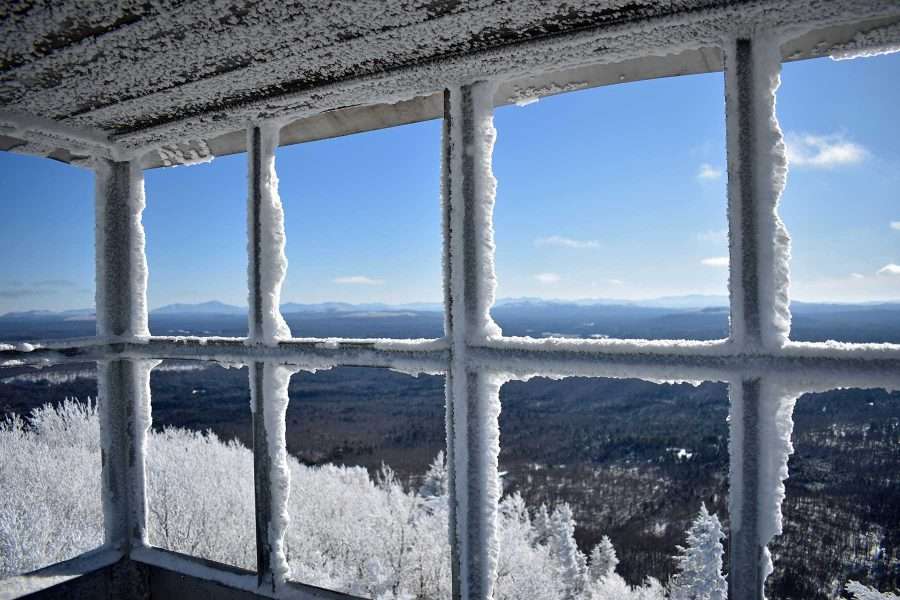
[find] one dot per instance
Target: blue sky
(616, 192)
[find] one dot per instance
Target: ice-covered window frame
(765, 371)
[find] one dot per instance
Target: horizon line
(612, 301)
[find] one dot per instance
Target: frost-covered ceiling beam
(517, 59)
(533, 50)
(272, 46)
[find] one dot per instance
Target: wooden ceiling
(148, 73)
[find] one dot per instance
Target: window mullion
(472, 393)
(760, 319)
(124, 388)
(268, 383)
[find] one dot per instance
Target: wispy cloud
(857, 276)
(547, 278)
(707, 172)
(822, 151)
(565, 242)
(615, 282)
(19, 293)
(55, 283)
(19, 289)
(895, 225)
(713, 235)
(358, 280)
(890, 269)
(715, 261)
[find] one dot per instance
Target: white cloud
(615, 282)
(715, 261)
(895, 225)
(358, 280)
(713, 235)
(707, 171)
(822, 151)
(565, 242)
(857, 276)
(890, 269)
(547, 278)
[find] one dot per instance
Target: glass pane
(47, 268)
(368, 498)
(843, 495)
(603, 479)
(840, 204)
(196, 230)
(200, 462)
(363, 223)
(610, 218)
(50, 507)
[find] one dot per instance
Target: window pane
(196, 232)
(627, 460)
(50, 507)
(363, 222)
(610, 215)
(368, 498)
(843, 495)
(200, 462)
(840, 204)
(47, 267)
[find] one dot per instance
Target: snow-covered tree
(542, 525)
(603, 559)
(651, 590)
(699, 563)
(435, 482)
(565, 549)
(525, 569)
(614, 587)
(50, 507)
(859, 591)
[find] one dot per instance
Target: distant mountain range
(676, 303)
(78, 314)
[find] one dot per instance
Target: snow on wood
(659, 35)
(472, 189)
(51, 133)
(473, 404)
(865, 44)
(757, 169)
(776, 423)
(267, 264)
(121, 264)
(124, 406)
(276, 380)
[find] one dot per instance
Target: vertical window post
(760, 320)
(261, 482)
(472, 394)
(268, 382)
(124, 385)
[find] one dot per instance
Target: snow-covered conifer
(563, 547)
(603, 559)
(542, 527)
(699, 574)
(435, 481)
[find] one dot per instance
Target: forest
(632, 460)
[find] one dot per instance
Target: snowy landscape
(620, 463)
(588, 300)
